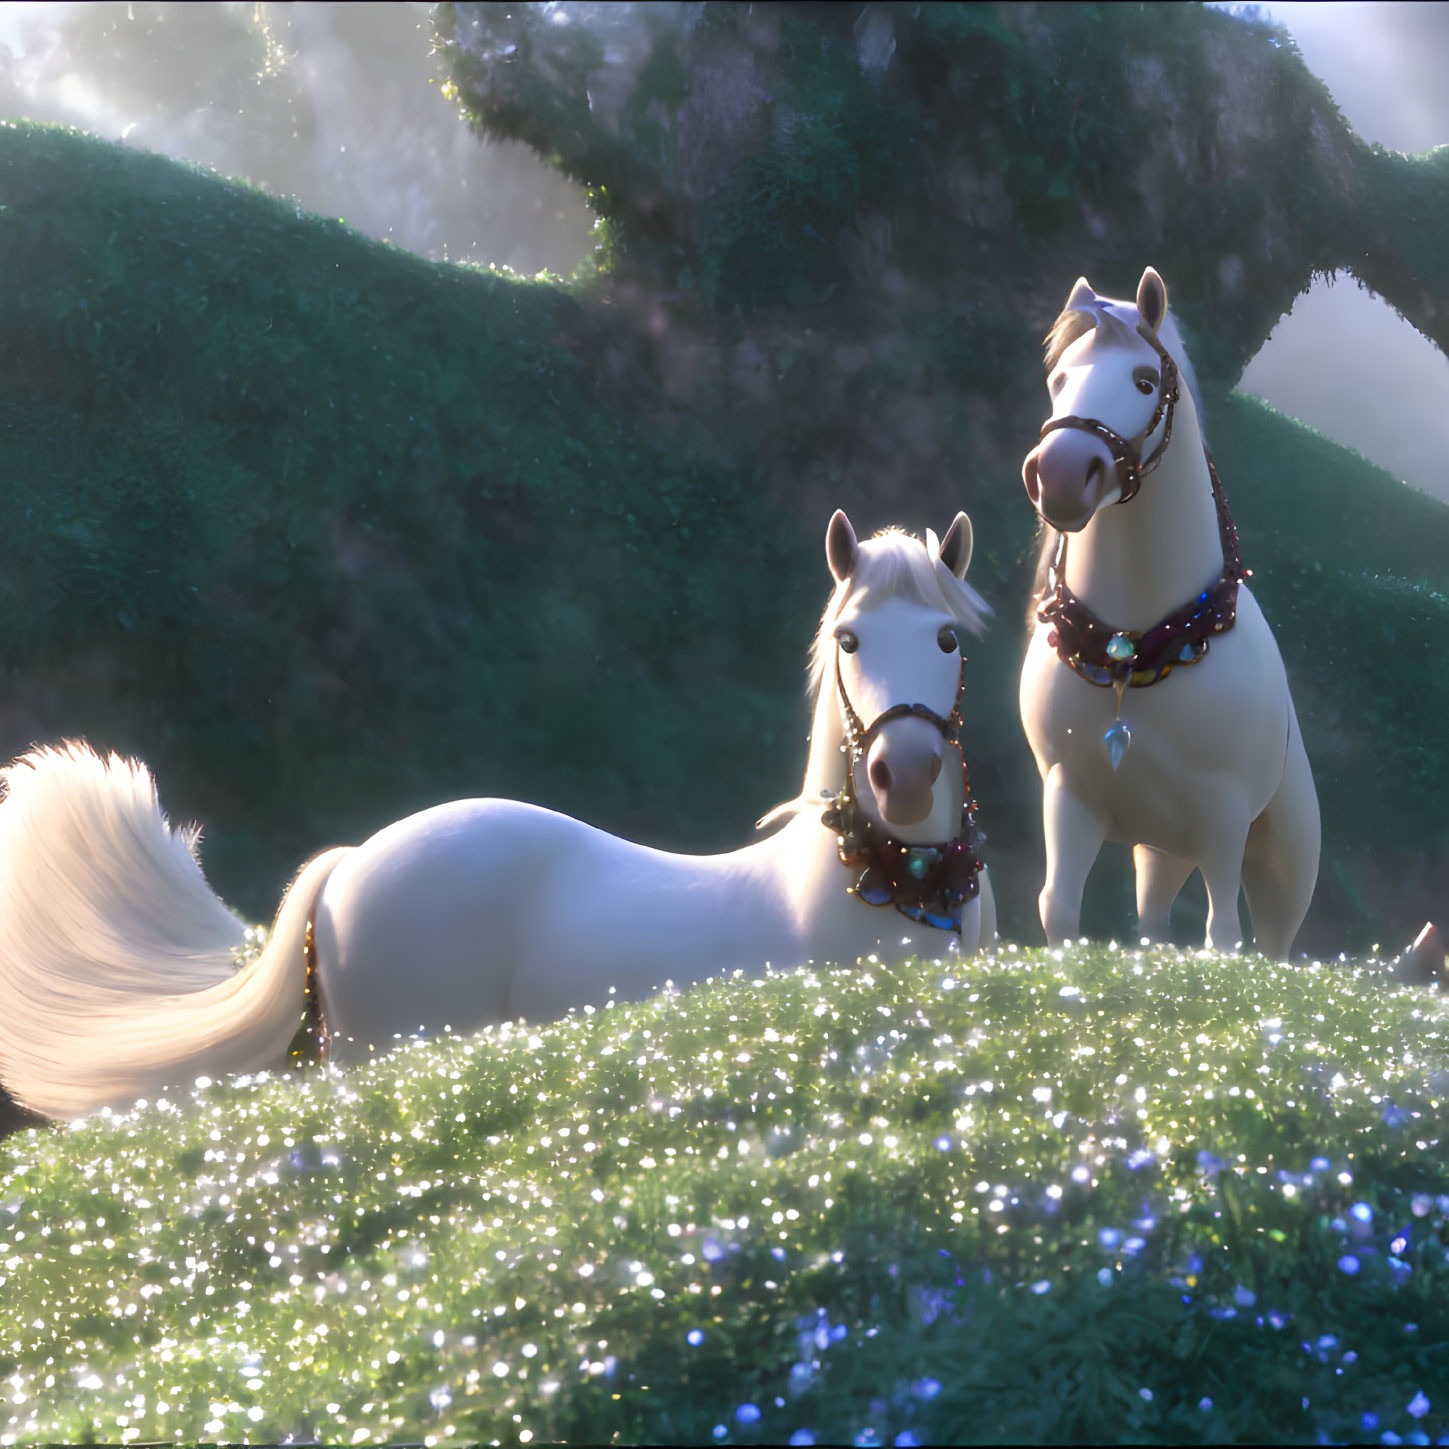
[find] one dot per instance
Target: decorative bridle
(1127, 452)
(928, 883)
(1119, 658)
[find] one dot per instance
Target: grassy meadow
(1084, 1195)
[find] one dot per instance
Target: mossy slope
(326, 532)
(1084, 1196)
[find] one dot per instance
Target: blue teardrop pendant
(1117, 738)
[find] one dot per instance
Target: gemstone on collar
(1120, 647)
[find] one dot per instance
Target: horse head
(1113, 387)
(895, 633)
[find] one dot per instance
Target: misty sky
(339, 105)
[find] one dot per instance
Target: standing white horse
(1153, 695)
(117, 961)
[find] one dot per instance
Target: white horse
(1203, 769)
(118, 963)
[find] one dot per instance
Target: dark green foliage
(1349, 567)
(1089, 1196)
(326, 532)
(891, 356)
(742, 152)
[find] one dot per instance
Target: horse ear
(841, 548)
(1152, 298)
(1082, 298)
(955, 550)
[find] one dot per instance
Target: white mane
(1118, 321)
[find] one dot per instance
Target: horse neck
(825, 768)
(1137, 562)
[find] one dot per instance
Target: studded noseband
(927, 883)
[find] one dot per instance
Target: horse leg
(986, 937)
(1074, 834)
(1280, 863)
(1223, 822)
(1160, 875)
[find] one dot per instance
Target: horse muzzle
(902, 765)
(1069, 475)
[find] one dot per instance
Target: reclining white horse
(1203, 769)
(117, 961)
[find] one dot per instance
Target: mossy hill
(1085, 1196)
(327, 533)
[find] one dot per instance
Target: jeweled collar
(1127, 657)
(929, 883)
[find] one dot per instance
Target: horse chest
(1221, 720)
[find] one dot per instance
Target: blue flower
(748, 1413)
(694, 1337)
(1418, 1406)
(802, 1436)
(1348, 1264)
(1362, 1211)
(1109, 1238)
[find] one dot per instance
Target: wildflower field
(1050, 1196)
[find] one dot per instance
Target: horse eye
(847, 641)
(947, 640)
(1056, 383)
(1146, 379)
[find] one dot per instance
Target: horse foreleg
(1160, 875)
(986, 937)
(1225, 836)
(1074, 834)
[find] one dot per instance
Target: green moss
(1080, 1196)
(324, 531)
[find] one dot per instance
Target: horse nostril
(880, 775)
(1031, 475)
(1094, 474)
(935, 769)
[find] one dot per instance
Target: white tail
(117, 972)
